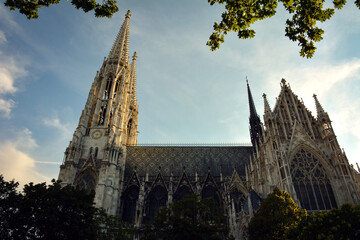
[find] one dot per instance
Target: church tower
(300, 154)
(94, 158)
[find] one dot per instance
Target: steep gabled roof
(174, 158)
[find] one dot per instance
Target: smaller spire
(128, 14)
(254, 120)
(319, 109)
(120, 49)
(133, 78)
(267, 109)
(134, 56)
(251, 101)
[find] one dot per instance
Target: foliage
(276, 214)
(9, 199)
(339, 223)
(301, 28)
(54, 212)
(109, 227)
(189, 218)
(30, 7)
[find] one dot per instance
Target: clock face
(96, 134)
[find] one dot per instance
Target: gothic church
(290, 149)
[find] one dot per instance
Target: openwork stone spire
(120, 49)
(319, 109)
(267, 109)
(251, 102)
(133, 78)
(255, 124)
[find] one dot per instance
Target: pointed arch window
(238, 198)
(96, 152)
(311, 183)
(211, 192)
(102, 113)
(275, 146)
(116, 89)
(129, 130)
(108, 88)
(87, 181)
(130, 198)
(327, 128)
(181, 192)
(157, 198)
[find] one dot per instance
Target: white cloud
(6, 79)
(16, 163)
(11, 69)
(346, 123)
(48, 162)
(6, 17)
(55, 122)
(6, 106)
(2, 37)
(321, 78)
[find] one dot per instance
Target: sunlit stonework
(291, 149)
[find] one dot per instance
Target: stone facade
(292, 150)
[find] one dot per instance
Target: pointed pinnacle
(251, 101)
(134, 56)
(120, 48)
(319, 108)
(267, 108)
(128, 14)
(133, 77)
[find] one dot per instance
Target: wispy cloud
(10, 70)
(5, 17)
(16, 163)
(6, 106)
(47, 162)
(55, 122)
(2, 37)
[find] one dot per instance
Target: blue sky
(186, 93)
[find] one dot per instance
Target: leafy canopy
(30, 7)
(301, 28)
(189, 218)
(276, 214)
(54, 212)
(340, 223)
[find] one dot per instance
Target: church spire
(267, 109)
(120, 48)
(133, 78)
(319, 109)
(255, 124)
(251, 102)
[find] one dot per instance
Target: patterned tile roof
(152, 159)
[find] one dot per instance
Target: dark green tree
(30, 7)
(46, 212)
(110, 227)
(9, 200)
(301, 28)
(53, 212)
(190, 218)
(340, 223)
(276, 214)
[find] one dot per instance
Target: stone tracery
(311, 183)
